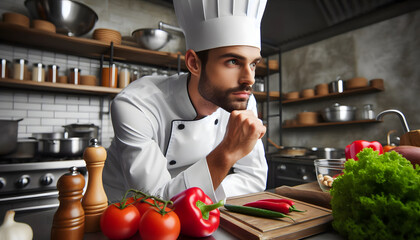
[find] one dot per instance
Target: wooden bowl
(107, 35)
(292, 95)
(357, 82)
(306, 118)
(16, 18)
(88, 80)
(321, 89)
(43, 25)
(307, 93)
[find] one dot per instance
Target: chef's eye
(232, 62)
(253, 65)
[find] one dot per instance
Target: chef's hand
(242, 132)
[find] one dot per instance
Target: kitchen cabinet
(346, 93)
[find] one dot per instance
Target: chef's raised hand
(242, 132)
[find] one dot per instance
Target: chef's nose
(248, 75)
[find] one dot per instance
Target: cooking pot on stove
(289, 151)
(8, 136)
(64, 147)
(26, 148)
(82, 130)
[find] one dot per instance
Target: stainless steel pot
(327, 153)
(339, 113)
(82, 130)
(25, 149)
(65, 147)
(8, 136)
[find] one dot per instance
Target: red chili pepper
(278, 205)
(281, 200)
(355, 147)
(198, 215)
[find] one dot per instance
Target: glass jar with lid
(124, 76)
(135, 73)
(109, 75)
(38, 72)
(4, 69)
(74, 76)
(20, 69)
(52, 73)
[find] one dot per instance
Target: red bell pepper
(198, 215)
(355, 147)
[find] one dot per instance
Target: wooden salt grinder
(69, 219)
(94, 201)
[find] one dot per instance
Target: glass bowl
(327, 170)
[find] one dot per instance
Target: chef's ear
(192, 62)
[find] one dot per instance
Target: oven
(290, 170)
(30, 184)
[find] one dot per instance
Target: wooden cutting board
(315, 220)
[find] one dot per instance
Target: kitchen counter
(41, 222)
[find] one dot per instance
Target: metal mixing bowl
(338, 113)
(70, 17)
(151, 38)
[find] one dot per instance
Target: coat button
(172, 162)
(181, 126)
(216, 121)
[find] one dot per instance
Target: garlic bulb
(11, 230)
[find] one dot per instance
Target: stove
(290, 170)
(30, 184)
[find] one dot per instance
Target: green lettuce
(377, 197)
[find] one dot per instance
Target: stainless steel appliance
(30, 184)
(290, 170)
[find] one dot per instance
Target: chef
(198, 129)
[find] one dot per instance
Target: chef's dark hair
(203, 56)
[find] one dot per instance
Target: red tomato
(142, 207)
(154, 226)
(119, 223)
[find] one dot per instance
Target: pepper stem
(205, 209)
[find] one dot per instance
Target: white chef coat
(159, 148)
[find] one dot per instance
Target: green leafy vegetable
(377, 197)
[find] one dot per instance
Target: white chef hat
(210, 24)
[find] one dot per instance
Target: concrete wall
(389, 50)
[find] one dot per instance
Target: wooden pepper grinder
(69, 219)
(94, 201)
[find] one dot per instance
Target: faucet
(400, 115)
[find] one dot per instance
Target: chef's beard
(222, 98)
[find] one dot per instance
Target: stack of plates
(107, 35)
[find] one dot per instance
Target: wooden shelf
(321, 124)
(348, 92)
(262, 96)
(58, 87)
(91, 48)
